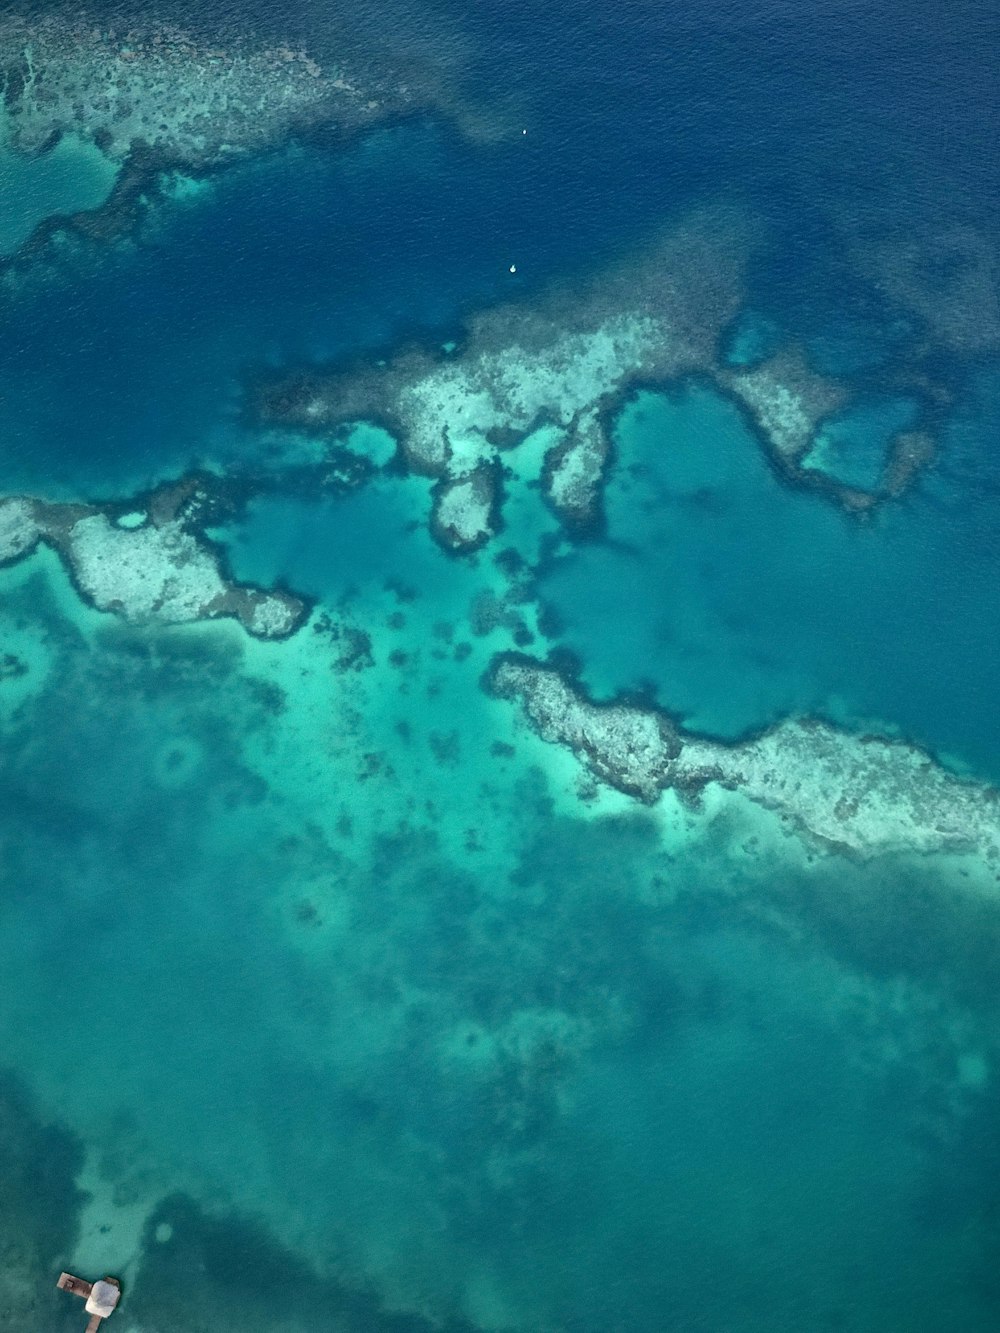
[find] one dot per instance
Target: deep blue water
(377, 980)
(631, 117)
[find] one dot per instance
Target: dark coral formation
(234, 1275)
(910, 454)
(948, 278)
(39, 1203)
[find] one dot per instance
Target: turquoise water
(319, 963)
(556, 1025)
(70, 177)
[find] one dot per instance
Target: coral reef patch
(144, 565)
(464, 513)
(197, 102)
(563, 362)
(862, 795)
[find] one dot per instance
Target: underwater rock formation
(144, 565)
(41, 1206)
(564, 363)
(862, 795)
(787, 400)
(464, 510)
(196, 102)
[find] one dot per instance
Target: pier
(100, 1297)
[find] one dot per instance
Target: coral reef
(197, 102)
(147, 565)
(463, 516)
(786, 399)
(564, 362)
(631, 748)
(862, 795)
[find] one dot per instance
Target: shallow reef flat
(146, 564)
(567, 362)
(859, 794)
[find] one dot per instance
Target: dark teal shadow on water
(738, 600)
(346, 547)
(852, 446)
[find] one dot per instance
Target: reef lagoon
(499, 605)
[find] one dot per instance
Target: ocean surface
(333, 998)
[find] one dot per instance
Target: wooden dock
(100, 1297)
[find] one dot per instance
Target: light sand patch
(112, 1220)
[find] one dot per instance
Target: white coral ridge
(464, 510)
(271, 618)
(448, 412)
(145, 573)
(18, 529)
(863, 795)
(159, 573)
(788, 399)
